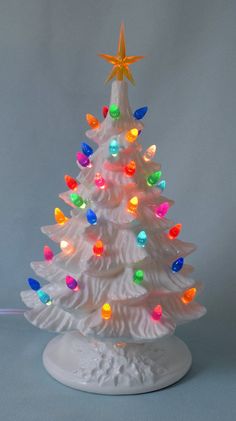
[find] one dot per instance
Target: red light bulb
(105, 111)
(98, 248)
(70, 182)
(130, 168)
(174, 231)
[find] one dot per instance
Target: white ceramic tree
(126, 291)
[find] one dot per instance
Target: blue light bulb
(91, 217)
(114, 147)
(34, 284)
(44, 297)
(162, 185)
(140, 113)
(142, 239)
(177, 264)
(86, 149)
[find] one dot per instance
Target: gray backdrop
(50, 76)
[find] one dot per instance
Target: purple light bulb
(83, 160)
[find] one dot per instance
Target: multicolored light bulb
(70, 182)
(114, 111)
(174, 231)
(105, 110)
(157, 313)
(106, 311)
(138, 276)
(48, 253)
(34, 284)
(92, 121)
(177, 264)
(153, 178)
(161, 185)
(142, 239)
(72, 283)
(114, 147)
(77, 200)
(140, 113)
(83, 160)
(59, 216)
(131, 135)
(132, 204)
(99, 181)
(130, 168)
(189, 295)
(149, 153)
(98, 248)
(86, 149)
(162, 210)
(44, 297)
(91, 217)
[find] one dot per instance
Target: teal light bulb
(44, 297)
(114, 147)
(162, 185)
(142, 239)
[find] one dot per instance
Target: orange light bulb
(98, 248)
(132, 204)
(130, 168)
(149, 153)
(93, 122)
(70, 182)
(60, 217)
(131, 135)
(106, 311)
(99, 181)
(188, 295)
(174, 231)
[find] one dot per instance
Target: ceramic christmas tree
(120, 284)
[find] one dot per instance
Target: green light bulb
(77, 200)
(114, 111)
(153, 178)
(138, 276)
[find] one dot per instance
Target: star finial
(121, 61)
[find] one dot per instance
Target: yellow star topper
(121, 61)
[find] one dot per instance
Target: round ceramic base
(116, 369)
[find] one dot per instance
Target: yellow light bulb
(106, 311)
(66, 247)
(59, 216)
(131, 135)
(132, 204)
(188, 295)
(149, 153)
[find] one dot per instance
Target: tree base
(116, 369)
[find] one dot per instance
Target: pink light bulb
(157, 313)
(99, 181)
(48, 253)
(162, 210)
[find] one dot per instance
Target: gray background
(50, 77)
